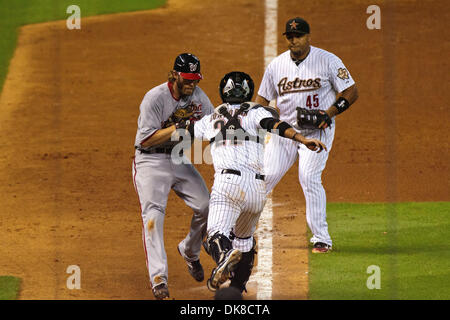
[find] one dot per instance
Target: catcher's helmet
(188, 66)
(236, 87)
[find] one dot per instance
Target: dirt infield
(68, 115)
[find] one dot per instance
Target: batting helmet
(236, 87)
(188, 66)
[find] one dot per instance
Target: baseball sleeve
(267, 89)
(200, 127)
(149, 120)
(207, 107)
(339, 75)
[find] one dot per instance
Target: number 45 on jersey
(312, 101)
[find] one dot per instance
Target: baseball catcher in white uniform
(236, 133)
(163, 110)
(311, 86)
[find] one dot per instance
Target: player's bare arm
(350, 95)
(311, 144)
(159, 137)
(262, 101)
(285, 130)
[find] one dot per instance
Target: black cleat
(320, 247)
(195, 268)
(222, 272)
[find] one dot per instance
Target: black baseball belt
(158, 150)
(238, 173)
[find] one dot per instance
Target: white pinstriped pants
(236, 204)
(279, 156)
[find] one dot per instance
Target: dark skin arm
(350, 94)
(311, 144)
(262, 101)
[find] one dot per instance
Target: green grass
(408, 241)
(9, 287)
(15, 13)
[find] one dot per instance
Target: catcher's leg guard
(206, 246)
(218, 246)
(221, 250)
(243, 270)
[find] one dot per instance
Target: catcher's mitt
(312, 119)
(180, 117)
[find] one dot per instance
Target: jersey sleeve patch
(343, 73)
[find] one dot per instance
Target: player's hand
(326, 120)
(315, 145)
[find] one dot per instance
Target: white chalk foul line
(270, 33)
(263, 276)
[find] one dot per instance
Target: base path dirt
(68, 113)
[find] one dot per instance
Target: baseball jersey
(243, 156)
(312, 84)
(159, 104)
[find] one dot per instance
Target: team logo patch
(293, 25)
(193, 66)
(343, 73)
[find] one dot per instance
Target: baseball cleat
(161, 291)
(195, 268)
(222, 272)
(210, 287)
(320, 247)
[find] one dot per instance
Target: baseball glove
(181, 117)
(312, 119)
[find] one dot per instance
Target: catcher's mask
(236, 87)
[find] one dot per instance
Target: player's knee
(308, 178)
(152, 219)
(218, 246)
(204, 206)
(150, 210)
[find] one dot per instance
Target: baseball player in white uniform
(314, 79)
(155, 174)
(236, 133)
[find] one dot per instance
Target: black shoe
(320, 247)
(222, 272)
(195, 268)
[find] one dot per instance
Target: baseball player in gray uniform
(155, 174)
(236, 132)
(311, 86)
